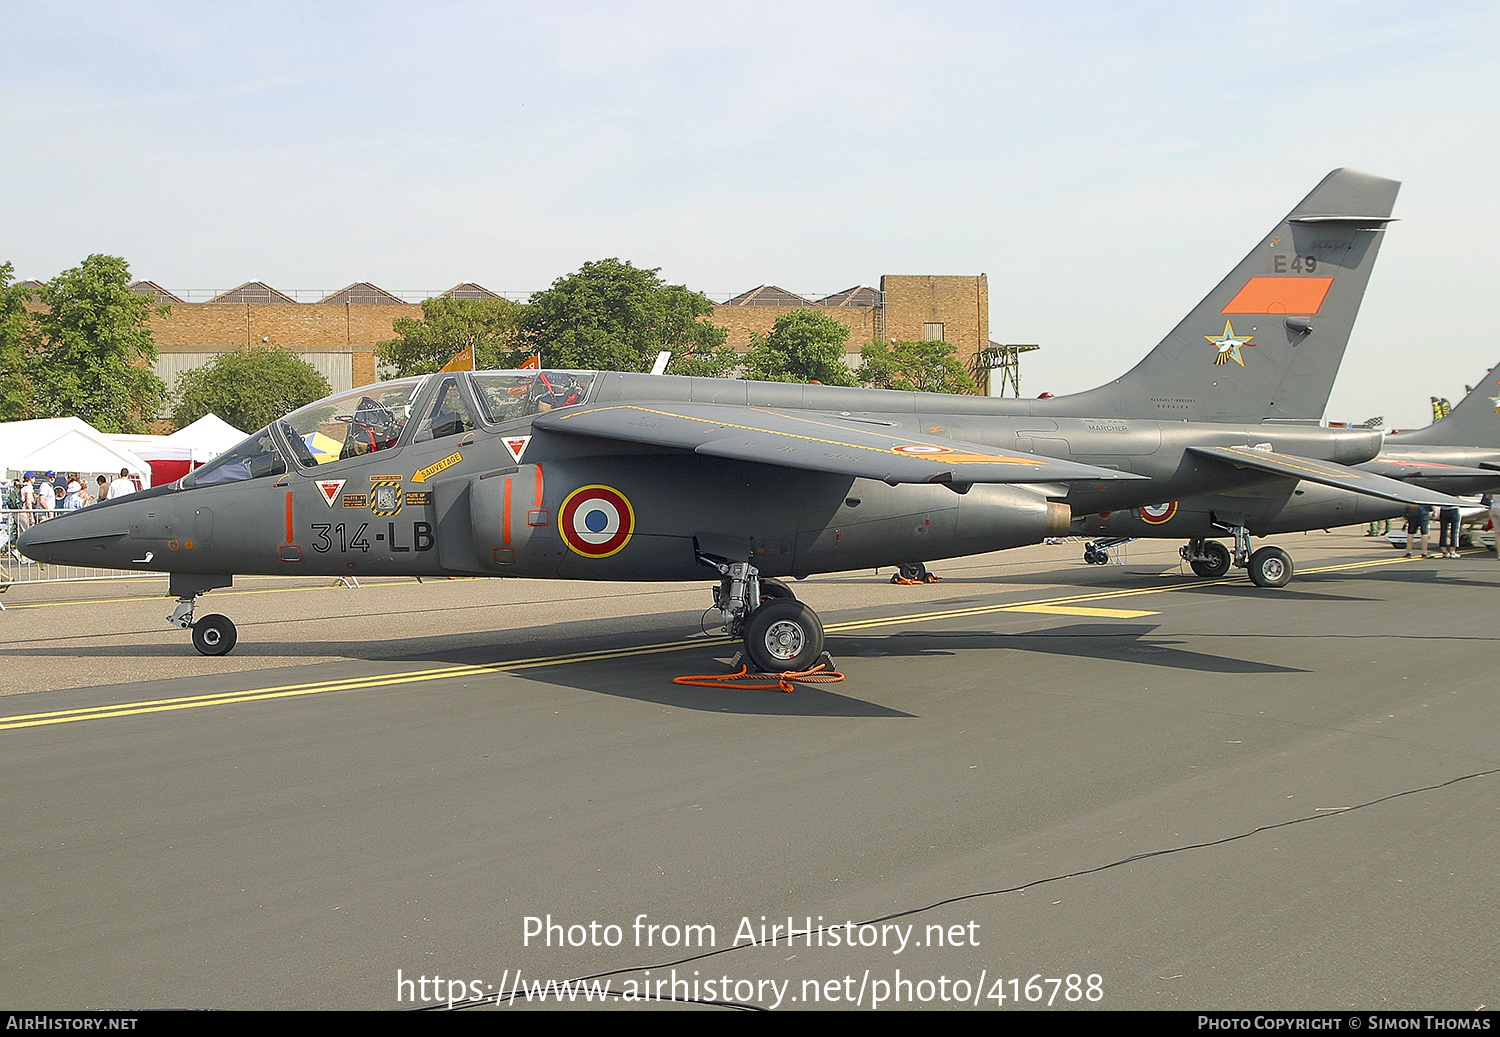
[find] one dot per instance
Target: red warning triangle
(516, 445)
(330, 489)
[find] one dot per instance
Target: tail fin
(1265, 345)
(1473, 422)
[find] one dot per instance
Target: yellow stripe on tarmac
(1080, 610)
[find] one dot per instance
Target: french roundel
(596, 521)
(1158, 513)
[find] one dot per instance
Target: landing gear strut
(213, 634)
(1268, 567)
(780, 633)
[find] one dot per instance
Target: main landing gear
(781, 634)
(914, 572)
(213, 634)
(1268, 567)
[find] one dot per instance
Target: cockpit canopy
(389, 415)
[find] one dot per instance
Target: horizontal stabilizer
(816, 443)
(1327, 473)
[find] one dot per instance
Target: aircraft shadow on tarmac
(1120, 642)
(611, 658)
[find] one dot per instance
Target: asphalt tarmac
(1042, 784)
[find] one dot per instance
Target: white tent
(64, 445)
(172, 457)
(207, 438)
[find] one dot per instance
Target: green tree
(88, 350)
(803, 346)
(488, 326)
(717, 362)
(15, 324)
(248, 388)
(612, 316)
(914, 366)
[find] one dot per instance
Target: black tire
(1270, 567)
(783, 635)
(214, 635)
(770, 589)
(1216, 564)
(914, 571)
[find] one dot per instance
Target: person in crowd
(46, 493)
(121, 486)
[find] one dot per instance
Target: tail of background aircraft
(1266, 344)
(1474, 421)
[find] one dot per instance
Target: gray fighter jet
(1458, 454)
(1443, 455)
(612, 476)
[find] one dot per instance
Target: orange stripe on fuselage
(1280, 295)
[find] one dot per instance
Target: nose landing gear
(213, 634)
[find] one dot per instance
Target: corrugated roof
(768, 295)
(859, 295)
(156, 291)
(254, 293)
(362, 294)
(469, 290)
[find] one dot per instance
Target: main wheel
(214, 635)
(770, 588)
(1270, 567)
(1217, 561)
(783, 635)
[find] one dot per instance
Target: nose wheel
(214, 635)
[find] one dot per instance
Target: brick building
(337, 333)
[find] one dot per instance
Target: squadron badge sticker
(596, 521)
(1229, 345)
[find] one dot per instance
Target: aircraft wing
(816, 443)
(1393, 468)
(1328, 473)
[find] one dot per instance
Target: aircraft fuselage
(468, 503)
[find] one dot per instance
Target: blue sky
(1104, 163)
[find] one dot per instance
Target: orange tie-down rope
(819, 674)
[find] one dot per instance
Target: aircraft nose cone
(33, 543)
(73, 537)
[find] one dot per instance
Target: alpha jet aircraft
(1444, 455)
(644, 477)
(1458, 454)
(612, 476)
